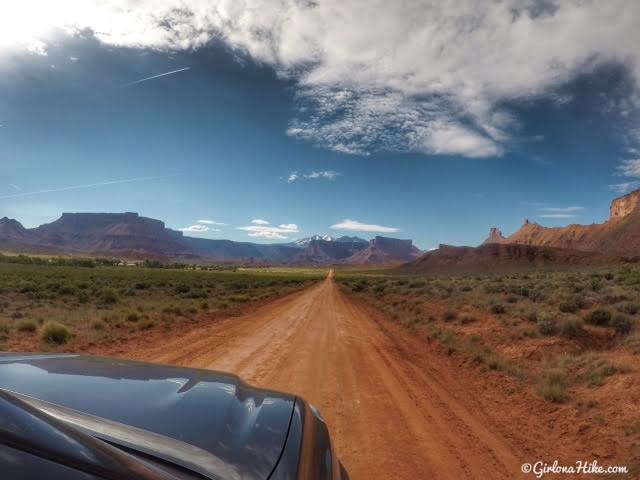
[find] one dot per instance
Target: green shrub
(629, 307)
(108, 297)
(4, 330)
(449, 316)
(497, 309)
(554, 386)
(599, 316)
(27, 325)
(572, 328)
(55, 333)
(572, 305)
(98, 325)
(547, 326)
(622, 324)
(466, 319)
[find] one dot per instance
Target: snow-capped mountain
(305, 241)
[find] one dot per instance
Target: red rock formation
(495, 236)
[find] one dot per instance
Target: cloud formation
(560, 212)
(313, 175)
(197, 228)
(624, 187)
(562, 209)
(557, 215)
(262, 229)
(212, 222)
(356, 226)
(428, 76)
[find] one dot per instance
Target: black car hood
(244, 427)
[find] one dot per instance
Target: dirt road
(391, 414)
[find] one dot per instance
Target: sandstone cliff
(619, 235)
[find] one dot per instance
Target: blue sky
(306, 127)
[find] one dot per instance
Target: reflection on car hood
(243, 426)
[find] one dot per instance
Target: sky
(272, 120)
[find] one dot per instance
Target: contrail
(89, 185)
(156, 76)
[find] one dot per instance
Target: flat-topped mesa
(623, 206)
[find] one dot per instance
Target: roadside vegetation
(571, 338)
(71, 303)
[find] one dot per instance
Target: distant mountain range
(133, 236)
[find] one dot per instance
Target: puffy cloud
(356, 226)
(293, 176)
(262, 229)
(426, 76)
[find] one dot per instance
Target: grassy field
(68, 304)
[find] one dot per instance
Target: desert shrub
(98, 325)
(497, 309)
(512, 299)
(599, 316)
(554, 385)
(622, 323)
(598, 371)
(449, 316)
(547, 325)
(466, 319)
(4, 330)
(632, 343)
(182, 288)
(629, 307)
(572, 305)
(146, 324)
(27, 325)
(572, 328)
(55, 333)
(132, 317)
(108, 297)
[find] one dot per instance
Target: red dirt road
(390, 416)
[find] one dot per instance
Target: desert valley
(541, 328)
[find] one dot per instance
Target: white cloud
(419, 75)
(327, 174)
(356, 226)
(212, 222)
(262, 229)
(629, 168)
(562, 209)
(624, 187)
(195, 229)
(557, 215)
(313, 175)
